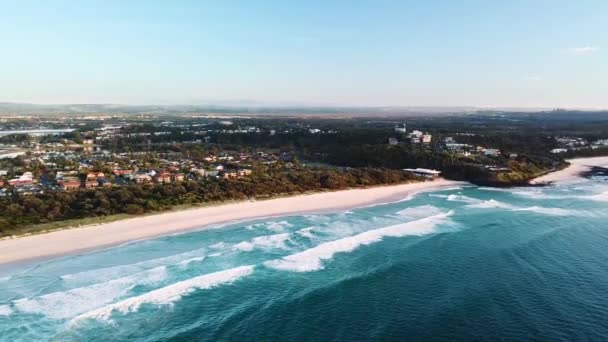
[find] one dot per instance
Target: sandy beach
(70, 241)
(572, 172)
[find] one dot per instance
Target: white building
(427, 173)
(492, 152)
(400, 129)
(416, 133)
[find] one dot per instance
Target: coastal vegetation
(53, 206)
(132, 165)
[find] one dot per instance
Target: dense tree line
(21, 211)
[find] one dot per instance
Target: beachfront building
(427, 173)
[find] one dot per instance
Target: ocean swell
(169, 294)
(312, 259)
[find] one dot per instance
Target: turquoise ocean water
(459, 264)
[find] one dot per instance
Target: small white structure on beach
(428, 173)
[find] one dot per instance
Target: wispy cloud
(533, 78)
(582, 51)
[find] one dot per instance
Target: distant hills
(10, 108)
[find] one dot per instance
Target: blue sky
(511, 53)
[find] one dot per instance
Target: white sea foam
(462, 198)
(549, 211)
(494, 189)
(490, 204)
(273, 226)
(107, 273)
(5, 310)
(219, 245)
(169, 294)
(264, 242)
(452, 188)
(537, 194)
(307, 232)
(60, 305)
(312, 259)
(603, 197)
(419, 211)
(185, 263)
(278, 226)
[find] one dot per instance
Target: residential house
(163, 177)
(142, 177)
(180, 177)
(25, 179)
(92, 179)
(244, 172)
(69, 183)
(230, 175)
(212, 173)
(122, 172)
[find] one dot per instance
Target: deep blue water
(460, 264)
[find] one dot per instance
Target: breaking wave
(603, 197)
(462, 198)
(312, 259)
(273, 226)
(548, 211)
(107, 273)
(490, 204)
(419, 211)
(264, 242)
(187, 262)
(169, 294)
(306, 232)
(5, 310)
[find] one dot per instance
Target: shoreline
(573, 172)
(22, 249)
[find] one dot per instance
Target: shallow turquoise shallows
(460, 264)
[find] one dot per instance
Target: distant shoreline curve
(573, 172)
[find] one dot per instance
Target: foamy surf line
(112, 234)
(112, 272)
(550, 211)
(312, 259)
(169, 294)
(5, 310)
(60, 305)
